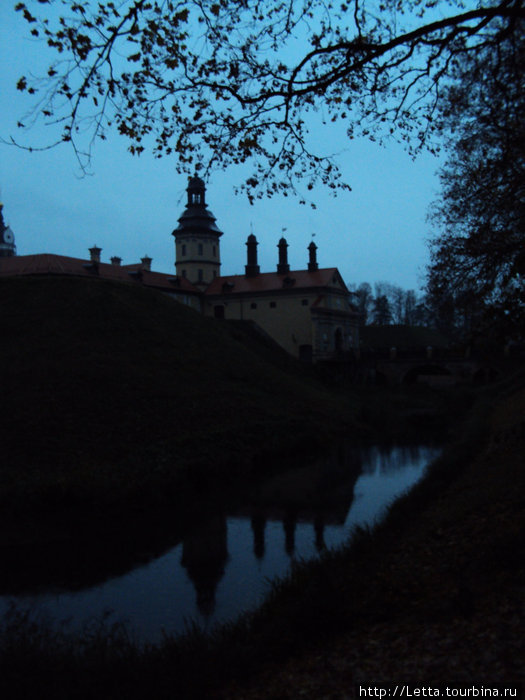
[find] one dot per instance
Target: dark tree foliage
(363, 300)
(381, 312)
(217, 82)
(477, 269)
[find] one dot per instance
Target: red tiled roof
(49, 264)
(273, 281)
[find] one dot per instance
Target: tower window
(214, 251)
(304, 302)
(184, 273)
(201, 249)
(253, 305)
(183, 249)
(195, 199)
(200, 274)
(273, 304)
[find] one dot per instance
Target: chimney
(115, 260)
(252, 269)
(146, 263)
(94, 254)
(312, 264)
(283, 267)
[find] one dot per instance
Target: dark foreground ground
(121, 400)
(438, 599)
(435, 595)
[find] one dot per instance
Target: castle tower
(7, 239)
(197, 250)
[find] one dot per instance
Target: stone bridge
(434, 367)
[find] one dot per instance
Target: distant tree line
(388, 304)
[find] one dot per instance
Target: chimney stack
(146, 263)
(252, 268)
(283, 267)
(95, 254)
(312, 264)
(115, 260)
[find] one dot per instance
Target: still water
(222, 565)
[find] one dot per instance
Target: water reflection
(222, 564)
(204, 556)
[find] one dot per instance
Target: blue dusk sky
(130, 205)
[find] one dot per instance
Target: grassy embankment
(115, 395)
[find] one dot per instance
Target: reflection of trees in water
(319, 525)
(387, 459)
(204, 556)
(289, 525)
(258, 523)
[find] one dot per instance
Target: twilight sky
(130, 205)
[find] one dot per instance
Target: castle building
(307, 312)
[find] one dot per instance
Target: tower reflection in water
(159, 580)
(319, 494)
(204, 556)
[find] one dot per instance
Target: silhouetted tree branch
(233, 81)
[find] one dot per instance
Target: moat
(223, 564)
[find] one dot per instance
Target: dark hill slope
(110, 390)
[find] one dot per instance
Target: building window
(253, 305)
(200, 274)
(273, 304)
(184, 249)
(184, 273)
(201, 250)
(304, 302)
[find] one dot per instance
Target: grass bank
(115, 395)
(434, 594)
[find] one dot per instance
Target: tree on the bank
(234, 81)
(363, 299)
(381, 313)
(477, 270)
